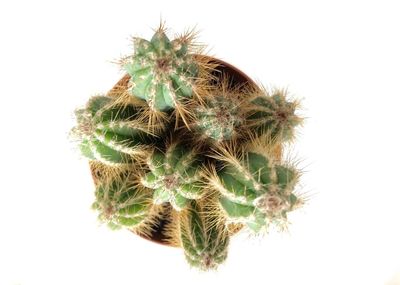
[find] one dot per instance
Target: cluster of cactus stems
(180, 142)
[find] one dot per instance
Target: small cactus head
(220, 115)
(174, 175)
(167, 74)
(274, 114)
(162, 71)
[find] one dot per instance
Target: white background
(341, 57)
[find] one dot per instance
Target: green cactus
(186, 150)
(218, 118)
(162, 72)
(121, 203)
(110, 134)
(257, 190)
(204, 239)
(174, 175)
(274, 114)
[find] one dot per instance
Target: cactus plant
(174, 175)
(198, 177)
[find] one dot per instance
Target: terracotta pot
(237, 79)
